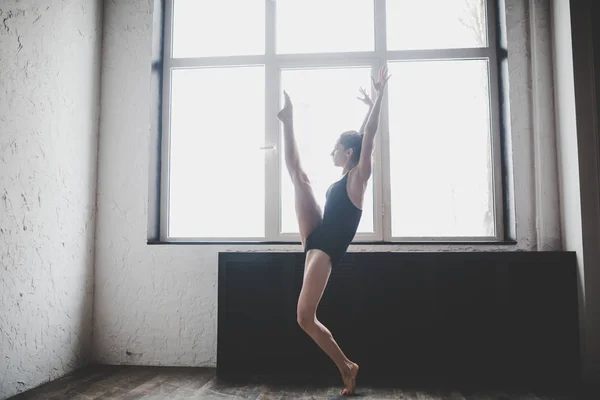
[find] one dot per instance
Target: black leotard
(339, 225)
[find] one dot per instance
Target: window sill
(377, 243)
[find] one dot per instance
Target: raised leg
(308, 212)
(316, 274)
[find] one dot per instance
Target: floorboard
(155, 383)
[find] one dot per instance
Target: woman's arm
(367, 100)
(364, 164)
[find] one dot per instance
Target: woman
(326, 236)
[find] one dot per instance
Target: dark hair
(352, 140)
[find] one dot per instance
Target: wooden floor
(153, 383)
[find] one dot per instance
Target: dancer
(326, 236)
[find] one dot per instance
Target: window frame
(274, 63)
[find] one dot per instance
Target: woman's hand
(286, 112)
(365, 97)
(381, 83)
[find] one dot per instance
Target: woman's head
(347, 149)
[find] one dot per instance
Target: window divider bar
(272, 157)
(384, 155)
(377, 176)
(217, 61)
(272, 177)
(380, 26)
(271, 26)
(330, 59)
(438, 54)
(381, 170)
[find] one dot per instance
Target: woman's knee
(306, 318)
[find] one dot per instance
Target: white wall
(158, 302)
(578, 151)
(49, 91)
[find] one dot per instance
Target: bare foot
(349, 378)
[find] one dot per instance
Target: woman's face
(340, 155)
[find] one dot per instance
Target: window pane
(435, 24)
(319, 26)
(440, 153)
(217, 175)
(325, 105)
(204, 28)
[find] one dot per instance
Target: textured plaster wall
(156, 305)
(49, 111)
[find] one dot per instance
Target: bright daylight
(433, 163)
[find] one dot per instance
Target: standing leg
(316, 275)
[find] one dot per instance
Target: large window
(436, 172)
